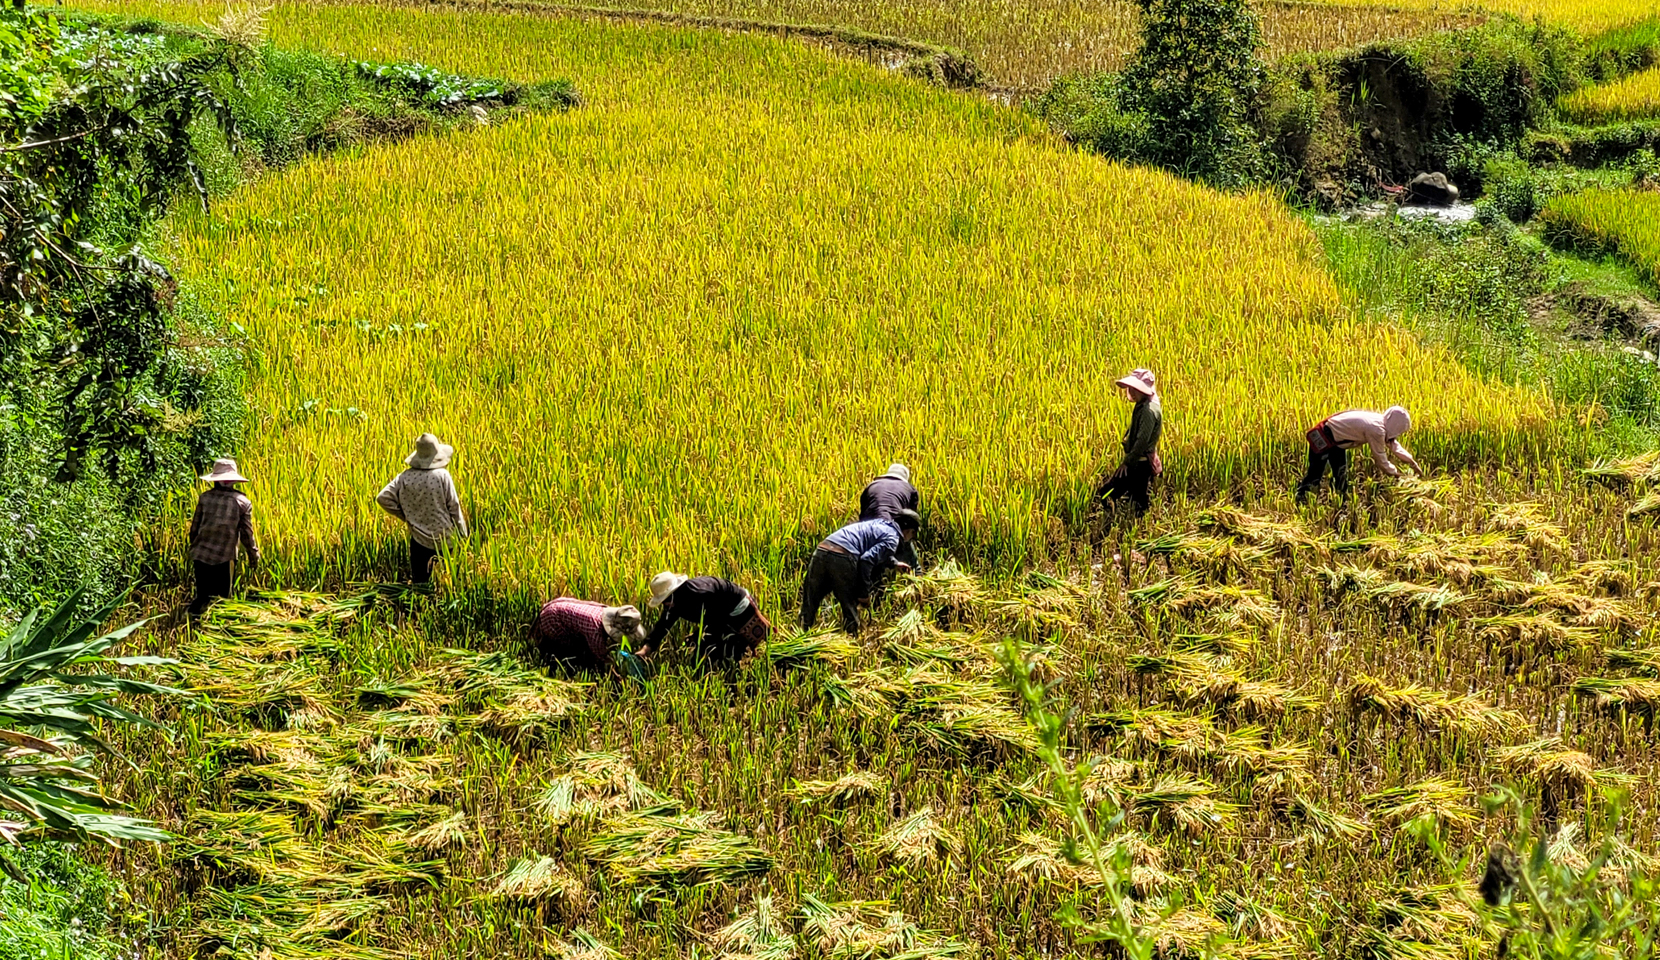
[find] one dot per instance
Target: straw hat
(1140, 380)
(224, 470)
(664, 584)
(429, 453)
(623, 621)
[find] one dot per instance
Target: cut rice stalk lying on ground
(1217, 553)
(660, 846)
(1528, 523)
(1278, 535)
(537, 878)
(583, 945)
(947, 591)
(1613, 577)
(757, 934)
(1643, 468)
(1431, 709)
(1403, 595)
(1444, 801)
(1580, 610)
(854, 785)
(1322, 823)
(596, 785)
(917, 840)
(1637, 695)
(1641, 660)
(1435, 914)
(1527, 635)
(1646, 505)
(1565, 773)
(441, 835)
(790, 647)
(870, 930)
(1038, 857)
(1186, 802)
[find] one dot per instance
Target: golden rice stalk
(910, 628)
(1615, 694)
(759, 934)
(1187, 802)
(1416, 493)
(1247, 917)
(791, 647)
(1527, 522)
(1580, 610)
(1614, 577)
(947, 590)
(1161, 730)
(441, 835)
(1260, 531)
(1642, 660)
(1352, 579)
(661, 846)
(1535, 633)
(1213, 644)
(1623, 473)
(917, 840)
(1444, 801)
(538, 878)
(1321, 822)
(1648, 504)
(854, 785)
(1403, 595)
(1183, 933)
(1218, 553)
(1435, 914)
(595, 785)
(870, 930)
(1431, 709)
(1246, 752)
(1110, 780)
(583, 945)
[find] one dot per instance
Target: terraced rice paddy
(680, 325)
(1620, 222)
(1636, 97)
(1270, 699)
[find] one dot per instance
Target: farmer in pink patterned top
(584, 634)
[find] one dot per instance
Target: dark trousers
(1338, 458)
(833, 574)
(1133, 480)
(213, 580)
(420, 562)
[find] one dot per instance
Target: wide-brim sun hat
(624, 620)
(430, 453)
(224, 471)
(1141, 380)
(664, 584)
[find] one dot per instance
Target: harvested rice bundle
(1526, 521)
(1110, 780)
(1642, 660)
(1283, 536)
(1247, 752)
(1187, 802)
(1563, 775)
(1038, 857)
(791, 647)
(664, 846)
(854, 785)
(1247, 917)
(1437, 914)
(1431, 709)
(530, 716)
(536, 878)
(1636, 695)
(1215, 553)
(944, 710)
(1531, 634)
(1352, 579)
(1235, 606)
(1197, 679)
(1214, 644)
(1461, 559)
(1185, 933)
(916, 840)
(583, 945)
(758, 934)
(870, 930)
(269, 694)
(596, 785)
(1404, 595)
(440, 835)
(1579, 610)
(1155, 729)
(1642, 468)
(1445, 802)
(1321, 822)
(1613, 577)
(1648, 504)
(947, 591)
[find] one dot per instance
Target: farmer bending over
(424, 497)
(1134, 478)
(725, 614)
(224, 520)
(584, 634)
(848, 563)
(885, 496)
(1330, 441)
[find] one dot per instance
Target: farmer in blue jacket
(850, 561)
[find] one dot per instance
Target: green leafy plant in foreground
(55, 685)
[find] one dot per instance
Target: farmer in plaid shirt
(584, 634)
(224, 521)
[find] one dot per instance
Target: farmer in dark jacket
(1141, 464)
(725, 614)
(885, 496)
(848, 563)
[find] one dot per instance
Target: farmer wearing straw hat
(884, 497)
(725, 614)
(584, 634)
(424, 497)
(224, 520)
(849, 563)
(1330, 441)
(1134, 478)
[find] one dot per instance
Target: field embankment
(679, 326)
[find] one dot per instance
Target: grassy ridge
(681, 325)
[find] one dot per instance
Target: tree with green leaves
(57, 685)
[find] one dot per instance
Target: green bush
(65, 910)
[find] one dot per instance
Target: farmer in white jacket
(1330, 441)
(424, 497)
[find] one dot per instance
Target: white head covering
(623, 621)
(1396, 421)
(899, 472)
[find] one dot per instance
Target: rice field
(1620, 222)
(1636, 97)
(681, 325)
(1271, 699)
